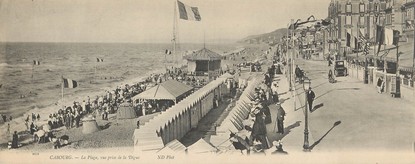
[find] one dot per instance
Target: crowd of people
(253, 138)
(103, 105)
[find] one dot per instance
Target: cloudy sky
(146, 21)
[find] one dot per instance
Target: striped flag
(348, 39)
(68, 83)
(362, 37)
(36, 62)
(391, 36)
(188, 12)
(167, 52)
(356, 44)
(100, 60)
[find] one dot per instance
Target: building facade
(358, 18)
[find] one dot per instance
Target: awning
(169, 90)
(406, 69)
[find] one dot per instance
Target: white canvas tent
(174, 146)
(201, 146)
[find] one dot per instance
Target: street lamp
(306, 86)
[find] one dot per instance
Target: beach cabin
(175, 122)
(126, 111)
(204, 64)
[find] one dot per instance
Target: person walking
(280, 118)
(8, 129)
(330, 76)
(274, 89)
(310, 98)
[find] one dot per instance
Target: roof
(148, 132)
(168, 90)
(201, 146)
(203, 54)
(173, 146)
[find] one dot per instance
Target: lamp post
(306, 86)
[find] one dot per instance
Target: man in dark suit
(280, 118)
(310, 98)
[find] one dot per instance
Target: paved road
(369, 120)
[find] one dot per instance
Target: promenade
(369, 121)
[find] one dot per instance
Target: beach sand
(112, 135)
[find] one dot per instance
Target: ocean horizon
(26, 86)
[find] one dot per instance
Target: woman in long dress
(259, 130)
(15, 140)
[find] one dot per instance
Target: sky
(147, 21)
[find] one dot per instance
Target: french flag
(36, 62)
(168, 52)
(188, 12)
(68, 83)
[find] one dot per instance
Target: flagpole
(293, 61)
(62, 93)
(95, 72)
(289, 57)
(33, 69)
(175, 23)
(357, 54)
(413, 56)
(375, 38)
(165, 60)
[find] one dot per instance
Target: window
(339, 7)
(376, 7)
(370, 6)
(348, 8)
(362, 7)
(361, 20)
(388, 19)
(348, 20)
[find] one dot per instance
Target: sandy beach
(113, 133)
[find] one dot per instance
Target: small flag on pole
(380, 35)
(68, 83)
(167, 52)
(36, 62)
(348, 38)
(391, 36)
(100, 60)
(188, 12)
(356, 43)
(395, 37)
(362, 37)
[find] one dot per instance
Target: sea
(28, 87)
